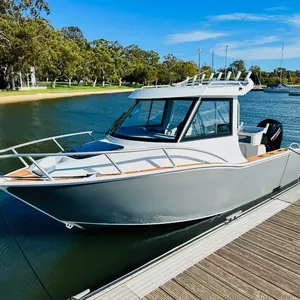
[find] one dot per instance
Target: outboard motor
(273, 137)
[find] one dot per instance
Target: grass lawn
(62, 87)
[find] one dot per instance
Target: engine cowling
(273, 137)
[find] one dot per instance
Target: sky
(253, 30)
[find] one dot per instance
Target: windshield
(154, 120)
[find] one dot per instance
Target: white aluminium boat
(177, 154)
(280, 87)
(277, 88)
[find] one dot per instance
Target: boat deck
(256, 256)
(26, 175)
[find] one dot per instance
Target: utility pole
(281, 63)
(212, 60)
(199, 59)
(226, 51)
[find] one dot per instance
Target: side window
(212, 119)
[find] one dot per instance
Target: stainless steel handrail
(45, 139)
(70, 154)
(294, 144)
(107, 154)
(53, 138)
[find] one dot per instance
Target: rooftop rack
(199, 80)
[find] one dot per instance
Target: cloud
(247, 43)
(294, 20)
(193, 36)
(276, 8)
(264, 53)
(265, 40)
(243, 17)
(258, 49)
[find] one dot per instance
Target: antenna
(219, 75)
(211, 76)
(226, 51)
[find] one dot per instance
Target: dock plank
(281, 272)
(283, 244)
(201, 291)
(289, 214)
(281, 222)
(276, 227)
(232, 280)
(293, 209)
(289, 218)
(158, 294)
(261, 271)
(212, 283)
(278, 235)
(272, 248)
(177, 291)
(256, 281)
(274, 257)
(297, 203)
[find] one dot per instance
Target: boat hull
(162, 198)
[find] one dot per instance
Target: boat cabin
(175, 120)
(204, 115)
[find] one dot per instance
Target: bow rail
(107, 154)
(54, 138)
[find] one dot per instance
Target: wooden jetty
(256, 256)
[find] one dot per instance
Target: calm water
(69, 261)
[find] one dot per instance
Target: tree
(70, 59)
(236, 66)
(184, 69)
(74, 34)
(124, 60)
(22, 8)
(21, 34)
(26, 44)
(102, 63)
(167, 72)
(53, 64)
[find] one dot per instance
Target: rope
(24, 255)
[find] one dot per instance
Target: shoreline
(52, 96)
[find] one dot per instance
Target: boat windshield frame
(118, 123)
(206, 136)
